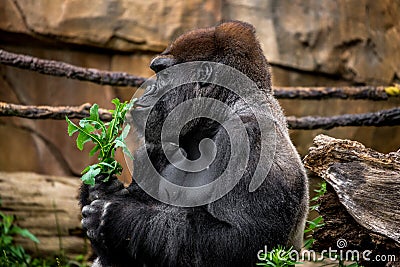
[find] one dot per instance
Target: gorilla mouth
(140, 107)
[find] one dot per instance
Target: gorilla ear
(235, 35)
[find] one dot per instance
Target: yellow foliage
(393, 90)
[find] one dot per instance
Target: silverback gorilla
(127, 227)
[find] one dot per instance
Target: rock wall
(48, 209)
(358, 41)
(307, 42)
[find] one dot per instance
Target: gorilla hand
(96, 205)
(93, 217)
(101, 190)
(98, 220)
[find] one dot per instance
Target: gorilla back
(127, 227)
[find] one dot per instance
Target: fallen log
(361, 208)
(48, 207)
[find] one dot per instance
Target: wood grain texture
(362, 204)
(367, 182)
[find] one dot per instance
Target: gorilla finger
(115, 185)
(86, 223)
(102, 177)
(95, 207)
(95, 195)
(102, 189)
(98, 203)
(88, 210)
(122, 192)
(91, 233)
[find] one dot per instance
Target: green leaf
(116, 102)
(107, 137)
(127, 152)
(6, 240)
(85, 170)
(122, 144)
(90, 173)
(125, 132)
(129, 105)
(88, 128)
(72, 128)
(84, 122)
(318, 220)
(25, 233)
(82, 139)
(120, 141)
(113, 127)
(307, 230)
(6, 222)
(94, 113)
(94, 150)
(106, 165)
(308, 243)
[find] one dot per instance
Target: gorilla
(129, 227)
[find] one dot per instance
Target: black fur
(127, 227)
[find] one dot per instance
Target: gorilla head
(233, 43)
(136, 227)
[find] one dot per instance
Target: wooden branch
(388, 117)
(347, 92)
(50, 112)
(61, 69)
(362, 204)
(48, 207)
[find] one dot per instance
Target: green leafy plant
(320, 192)
(107, 136)
(316, 223)
(277, 257)
(12, 254)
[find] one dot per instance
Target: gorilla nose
(160, 63)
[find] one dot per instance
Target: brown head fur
(233, 43)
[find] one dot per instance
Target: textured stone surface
(48, 207)
(357, 40)
(125, 25)
(308, 42)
